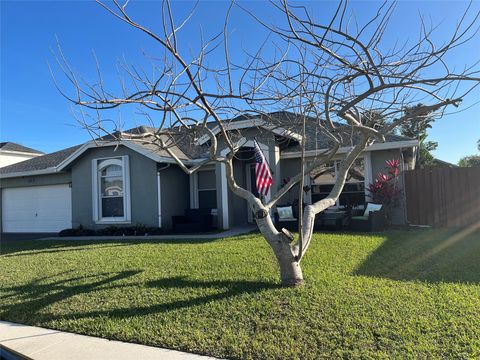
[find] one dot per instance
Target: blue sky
(34, 114)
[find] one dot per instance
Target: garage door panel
(37, 208)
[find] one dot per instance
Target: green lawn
(393, 295)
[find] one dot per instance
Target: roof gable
(14, 147)
(238, 124)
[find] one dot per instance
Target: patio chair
(194, 220)
(372, 218)
(285, 217)
(331, 220)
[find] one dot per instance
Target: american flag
(262, 172)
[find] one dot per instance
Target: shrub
(385, 190)
(136, 230)
(80, 231)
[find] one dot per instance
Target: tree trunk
(290, 270)
(281, 244)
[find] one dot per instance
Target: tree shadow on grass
(31, 298)
(215, 291)
(10, 248)
(38, 294)
(442, 255)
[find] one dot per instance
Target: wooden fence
(443, 197)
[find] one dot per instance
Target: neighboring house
(441, 163)
(131, 181)
(11, 153)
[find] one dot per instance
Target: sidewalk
(218, 235)
(44, 344)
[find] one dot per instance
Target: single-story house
(131, 181)
(11, 153)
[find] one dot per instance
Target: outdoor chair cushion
(285, 213)
(371, 208)
(359, 217)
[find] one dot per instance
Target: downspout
(159, 194)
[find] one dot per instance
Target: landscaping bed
(393, 295)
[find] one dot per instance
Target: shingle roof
(183, 143)
(315, 138)
(11, 146)
(180, 142)
(40, 162)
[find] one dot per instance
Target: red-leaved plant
(385, 189)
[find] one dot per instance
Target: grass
(402, 294)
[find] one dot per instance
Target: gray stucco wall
(143, 187)
(290, 168)
(37, 180)
(237, 205)
(175, 193)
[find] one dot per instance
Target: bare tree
(338, 78)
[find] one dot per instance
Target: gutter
(50, 170)
(377, 146)
(20, 153)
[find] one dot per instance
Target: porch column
(367, 168)
(223, 210)
(274, 158)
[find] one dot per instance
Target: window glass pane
(111, 186)
(207, 199)
(112, 207)
(325, 174)
(112, 170)
(318, 197)
(354, 187)
(206, 179)
(317, 189)
(357, 172)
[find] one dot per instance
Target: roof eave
(374, 147)
(128, 143)
(22, 153)
(50, 170)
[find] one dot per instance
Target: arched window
(112, 195)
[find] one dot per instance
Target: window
(207, 192)
(111, 190)
(353, 193)
(323, 180)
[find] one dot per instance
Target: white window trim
(96, 201)
(194, 202)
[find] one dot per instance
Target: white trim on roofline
(128, 143)
(92, 144)
(257, 122)
(50, 170)
(23, 153)
(373, 147)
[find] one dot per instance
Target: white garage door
(37, 208)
